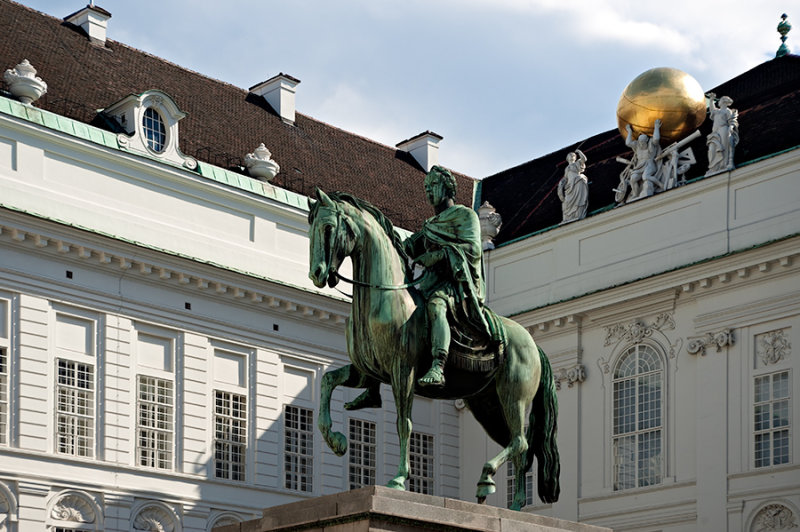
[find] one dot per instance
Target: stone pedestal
(382, 509)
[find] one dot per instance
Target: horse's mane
(384, 222)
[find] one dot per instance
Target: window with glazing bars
(421, 455)
(3, 396)
(771, 424)
(298, 451)
(75, 408)
(638, 426)
(230, 435)
(155, 423)
(363, 453)
(511, 477)
(155, 132)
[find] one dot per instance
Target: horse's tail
(542, 435)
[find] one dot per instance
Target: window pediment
(150, 121)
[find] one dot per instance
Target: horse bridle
(335, 249)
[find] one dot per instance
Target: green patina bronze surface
(396, 332)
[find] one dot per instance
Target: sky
(503, 81)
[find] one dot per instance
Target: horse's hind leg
(403, 389)
(347, 376)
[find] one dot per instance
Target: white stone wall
(233, 278)
(654, 281)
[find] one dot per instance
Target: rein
(382, 286)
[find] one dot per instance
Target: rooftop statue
(440, 330)
(653, 169)
(724, 134)
(573, 189)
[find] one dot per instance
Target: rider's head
(442, 176)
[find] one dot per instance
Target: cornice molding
(171, 274)
(661, 291)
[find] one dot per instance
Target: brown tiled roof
(768, 100)
(224, 122)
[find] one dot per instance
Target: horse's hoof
(397, 484)
(338, 443)
(485, 489)
(481, 500)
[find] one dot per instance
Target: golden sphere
(666, 93)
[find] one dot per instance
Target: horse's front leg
(347, 376)
(403, 389)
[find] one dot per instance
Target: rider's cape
(458, 277)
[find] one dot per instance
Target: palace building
(161, 345)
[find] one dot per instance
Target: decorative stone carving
(774, 517)
(576, 373)
(154, 519)
(652, 169)
(783, 28)
(24, 84)
(260, 165)
(724, 134)
(573, 189)
(73, 507)
(698, 344)
(491, 221)
(773, 346)
(637, 330)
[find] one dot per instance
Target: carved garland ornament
(698, 344)
(774, 346)
(774, 517)
(576, 373)
(75, 508)
(637, 330)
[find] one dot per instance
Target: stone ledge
(377, 508)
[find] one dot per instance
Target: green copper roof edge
(650, 276)
(168, 252)
(614, 205)
(477, 191)
(86, 132)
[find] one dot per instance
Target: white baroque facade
(671, 327)
(161, 346)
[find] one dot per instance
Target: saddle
(477, 352)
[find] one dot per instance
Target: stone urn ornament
(260, 165)
(24, 84)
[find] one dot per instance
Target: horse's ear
(323, 198)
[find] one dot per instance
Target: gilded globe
(666, 93)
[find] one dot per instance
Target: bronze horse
(387, 343)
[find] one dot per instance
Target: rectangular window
(75, 408)
(155, 423)
(3, 396)
(771, 425)
(510, 485)
(298, 448)
(230, 435)
(362, 453)
(5, 388)
(421, 455)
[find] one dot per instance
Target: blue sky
(503, 81)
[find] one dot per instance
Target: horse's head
(331, 235)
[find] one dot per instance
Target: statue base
(383, 509)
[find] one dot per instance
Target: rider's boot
(435, 375)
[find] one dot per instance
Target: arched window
(154, 130)
(638, 425)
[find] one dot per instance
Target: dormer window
(154, 130)
(150, 121)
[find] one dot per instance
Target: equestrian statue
(432, 336)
